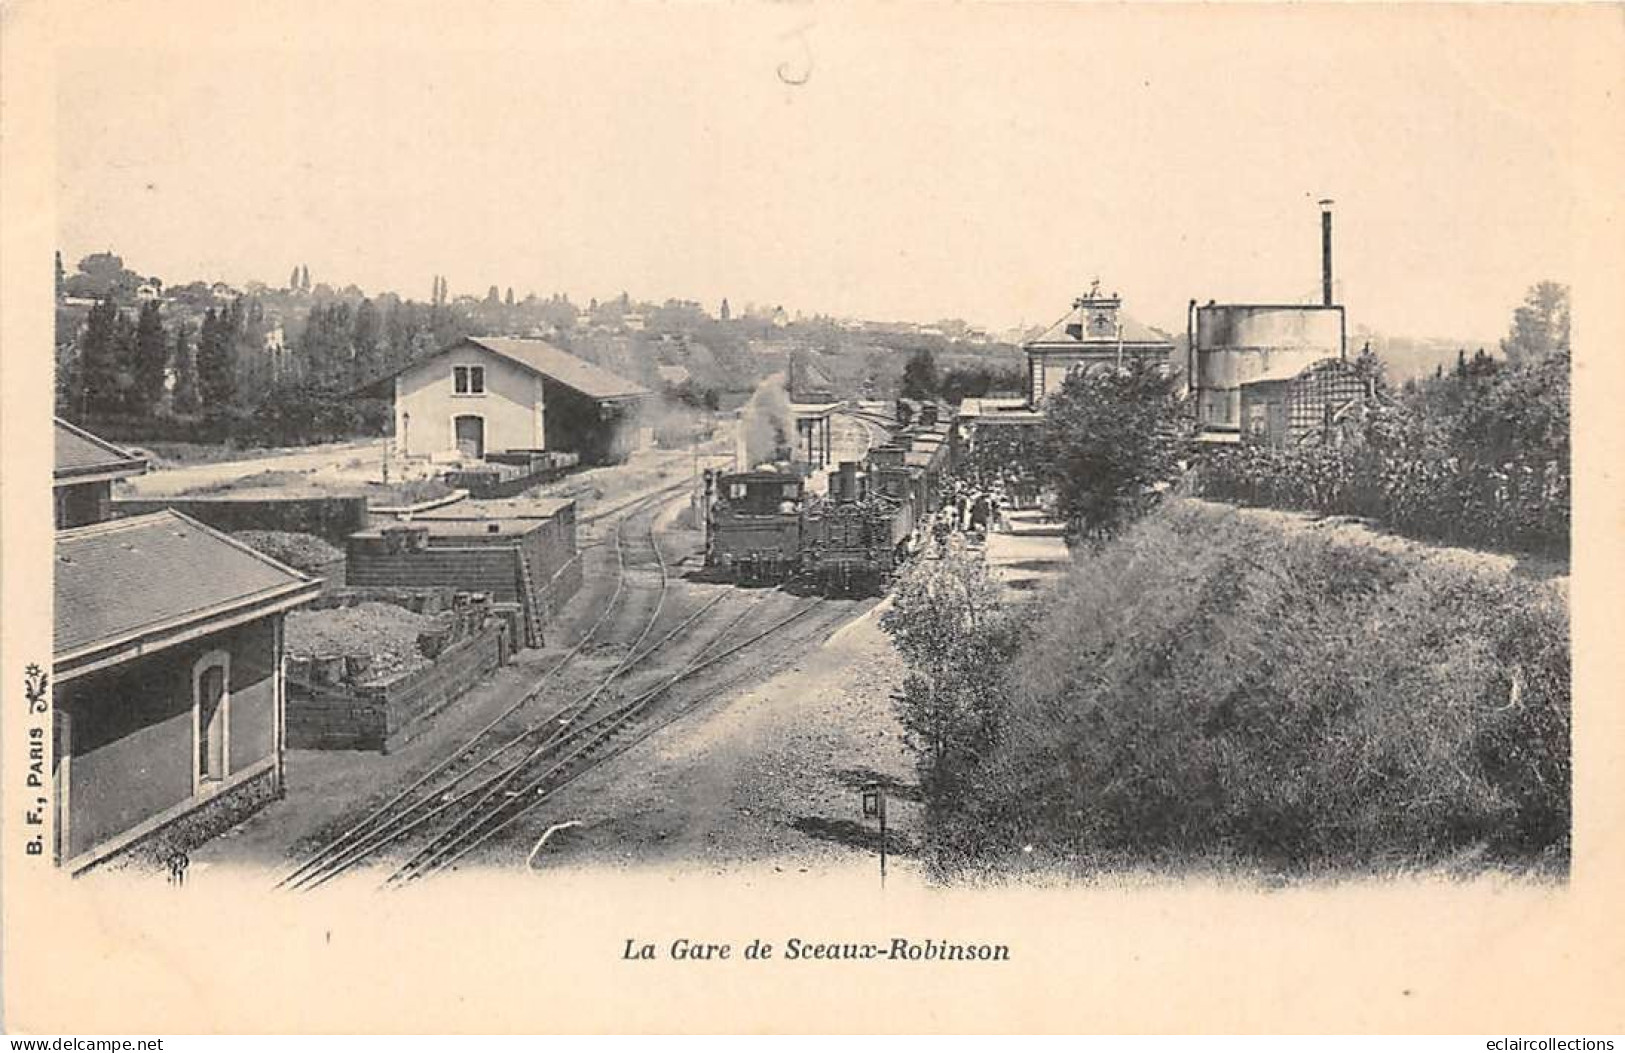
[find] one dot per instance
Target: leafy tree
(1113, 438)
(247, 328)
(920, 376)
(955, 385)
(725, 313)
(508, 300)
(184, 399)
(948, 624)
(124, 351)
(101, 275)
(1540, 325)
(293, 278)
(216, 365)
(151, 364)
(493, 297)
(366, 342)
(99, 359)
(1009, 457)
(1520, 414)
(304, 277)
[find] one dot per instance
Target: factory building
(1242, 344)
(1322, 405)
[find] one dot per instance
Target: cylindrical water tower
(1238, 343)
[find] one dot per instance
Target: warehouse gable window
(468, 380)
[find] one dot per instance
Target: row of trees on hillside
(923, 380)
(156, 373)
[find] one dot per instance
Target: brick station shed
(168, 708)
(520, 551)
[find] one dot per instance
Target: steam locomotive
(764, 527)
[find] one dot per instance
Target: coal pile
(383, 636)
(305, 552)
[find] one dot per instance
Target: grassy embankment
(1223, 692)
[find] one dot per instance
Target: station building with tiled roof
(168, 700)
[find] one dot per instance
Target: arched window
(211, 719)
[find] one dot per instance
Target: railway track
(880, 427)
(675, 661)
(602, 734)
(662, 664)
(495, 740)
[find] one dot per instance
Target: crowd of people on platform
(970, 511)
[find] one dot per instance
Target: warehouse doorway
(471, 437)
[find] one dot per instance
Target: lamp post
(874, 807)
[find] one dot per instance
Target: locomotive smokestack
(848, 479)
(1326, 252)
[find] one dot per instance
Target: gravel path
(768, 775)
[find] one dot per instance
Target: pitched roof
(1076, 322)
(498, 508)
(79, 453)
(539, 356)
(150, 576)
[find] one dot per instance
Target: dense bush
(297, 414)
(948, 624)
(1516, 504)
(1477, 456)
(1213, 688)
(153, 428)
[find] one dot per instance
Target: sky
(907, 162)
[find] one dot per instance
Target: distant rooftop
(539, 356)
(1097, 322)
(79, 455)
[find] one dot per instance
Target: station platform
(1028, 554)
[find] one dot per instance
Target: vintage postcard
(812, 518)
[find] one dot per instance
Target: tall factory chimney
(1326, 252)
